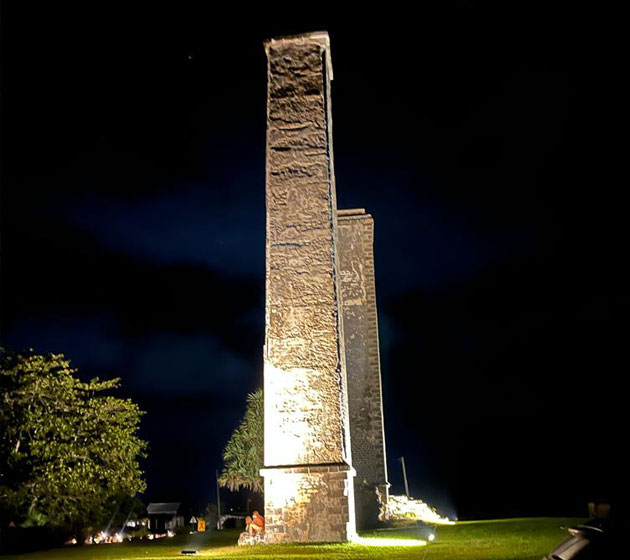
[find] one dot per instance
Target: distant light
(372, 541)
(431, 537)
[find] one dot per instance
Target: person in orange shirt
(257, 525)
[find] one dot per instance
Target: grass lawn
(506, 539)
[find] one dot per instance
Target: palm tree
(243, 455)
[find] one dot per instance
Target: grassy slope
(511, 539)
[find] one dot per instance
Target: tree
(244, 453)
(68, 452)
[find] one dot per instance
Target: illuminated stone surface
(356, 258)
(309, 492)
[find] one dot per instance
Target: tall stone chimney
(309, 493)
(365, 403)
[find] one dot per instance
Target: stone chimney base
(312, 503)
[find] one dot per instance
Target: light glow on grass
(375, 541)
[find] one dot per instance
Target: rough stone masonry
(360, 323)
(309, 493)
(309, 489)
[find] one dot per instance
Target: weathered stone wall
(308, 504)
(356, 258)
(306, 408)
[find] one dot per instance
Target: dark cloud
(197, 224)
(92, 341)
(198, 362)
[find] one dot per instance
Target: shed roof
(163, 507)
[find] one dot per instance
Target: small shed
(163, 516)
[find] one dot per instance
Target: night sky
(481, 138)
